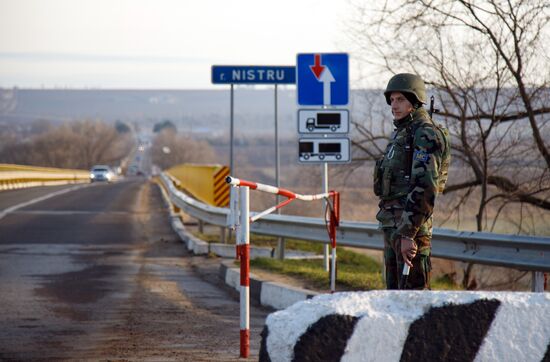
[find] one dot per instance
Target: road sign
(323, 79)
(331, 121)
(329, 150)
(253, 74)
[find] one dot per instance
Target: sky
(161, 44)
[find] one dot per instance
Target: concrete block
(233, 278)
(223, 250)
(200, 247)
(411, 326)
(260, 252)
(280, 296)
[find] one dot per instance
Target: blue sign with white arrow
(323, 79)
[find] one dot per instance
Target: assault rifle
(432, 109)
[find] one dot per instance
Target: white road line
(38, 199)
(71, 212)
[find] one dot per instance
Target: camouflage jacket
(407, 185)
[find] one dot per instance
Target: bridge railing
(21, 176)
(513, 251)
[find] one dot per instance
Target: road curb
(269, 294)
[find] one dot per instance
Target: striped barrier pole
(291, 196)
(240, 190)
(244, 256)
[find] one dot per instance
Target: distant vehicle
(101, 173)
(132, 170)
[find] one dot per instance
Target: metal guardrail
(20, 176)
(512, 251)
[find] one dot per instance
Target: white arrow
(327, 78)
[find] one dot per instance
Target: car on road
(101, 173)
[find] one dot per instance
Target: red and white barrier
(239, 205)
(243, 250)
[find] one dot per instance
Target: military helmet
(406, 83)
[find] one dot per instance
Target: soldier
(407, 179)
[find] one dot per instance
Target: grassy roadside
(354, 271)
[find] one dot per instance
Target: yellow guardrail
(21, 176)
(205, 182)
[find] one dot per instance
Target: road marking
(74, 212)
(38, 199)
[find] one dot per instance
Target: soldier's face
(400, 106)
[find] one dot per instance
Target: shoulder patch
(421, 156)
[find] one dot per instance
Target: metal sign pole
(280, 241)
(231, 169)
(325, 190)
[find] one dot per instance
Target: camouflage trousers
(419, 275)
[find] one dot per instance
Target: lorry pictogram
(324, 149)
(334, 121)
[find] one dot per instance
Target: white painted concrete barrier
(199, 247)
(411, 326)
(268, 294)
(281, 296)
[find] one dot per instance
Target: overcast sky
(160, 43)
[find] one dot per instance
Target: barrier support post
(244, 255)
(333, 224)
(537, 282)
(243, 237)
(233, 218)
(222, 235)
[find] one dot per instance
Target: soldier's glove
(408, 249)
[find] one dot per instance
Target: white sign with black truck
(326, 121)
(324, 150)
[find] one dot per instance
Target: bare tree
(484, 61)
(170, 148)
(78, 144)
(100, 142)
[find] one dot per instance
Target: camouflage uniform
(407, 186)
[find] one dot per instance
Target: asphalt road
(97, 273)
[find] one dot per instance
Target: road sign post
(231, 129)
(323, 80)
(252, 74)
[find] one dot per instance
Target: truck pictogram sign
(328, 121)
(330, 150)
